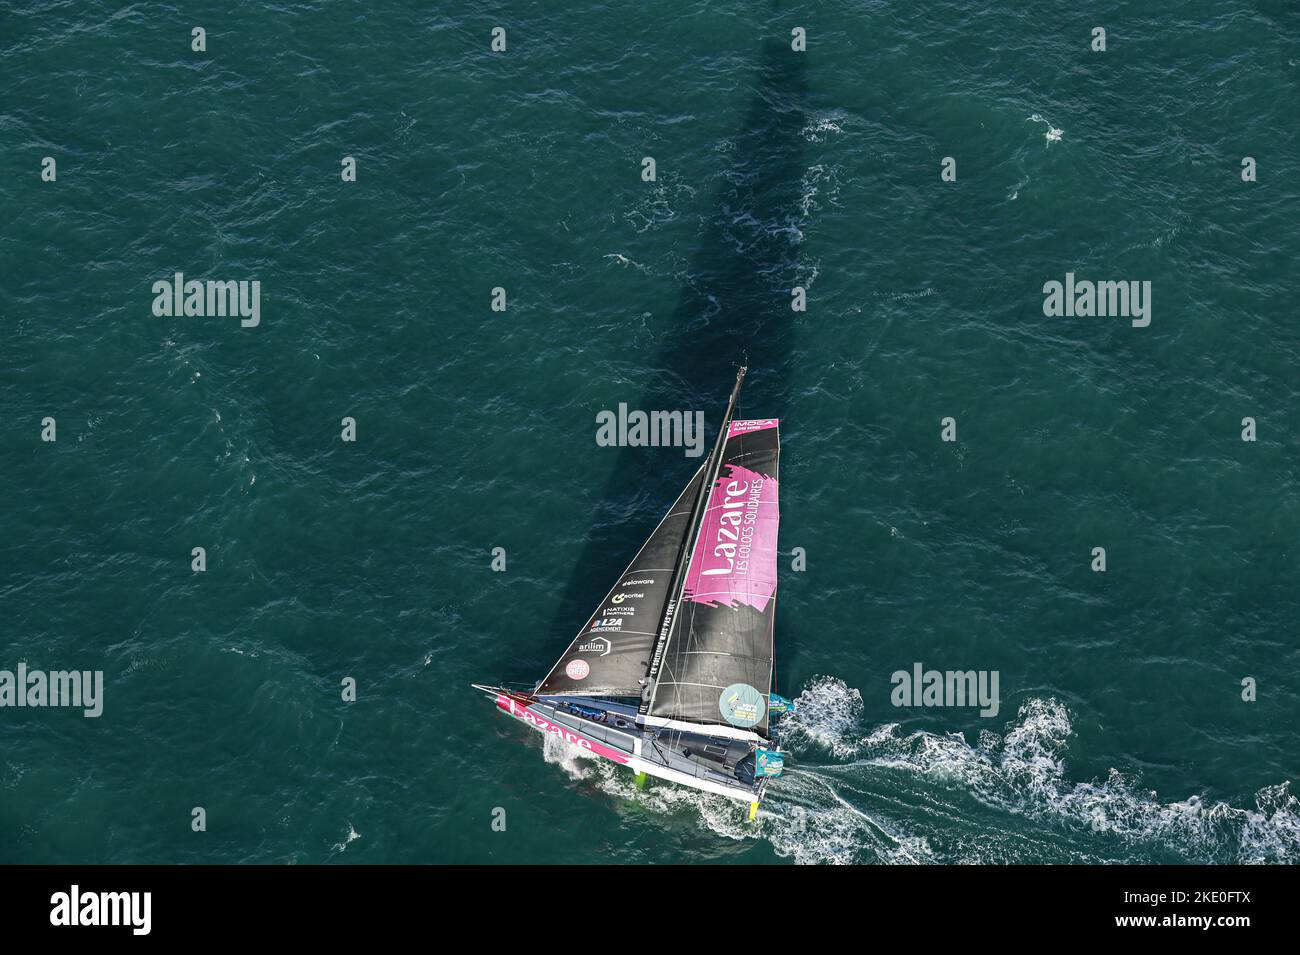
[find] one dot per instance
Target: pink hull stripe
(536, 720)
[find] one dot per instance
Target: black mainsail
(717, 664)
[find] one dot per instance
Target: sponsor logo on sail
(601, 645)
(734, 542)
(577, 669)
(751, 424)
(742, 705)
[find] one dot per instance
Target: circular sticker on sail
(742, 705)
(577, 669)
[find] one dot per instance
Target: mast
(678, 580)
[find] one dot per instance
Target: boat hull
(623, 748)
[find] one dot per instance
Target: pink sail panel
(734, 562)
(750, 425)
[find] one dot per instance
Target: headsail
(610, 655)
(717, 662)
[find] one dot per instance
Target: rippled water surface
(1121, 736)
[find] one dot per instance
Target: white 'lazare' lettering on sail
(728, 528)
(736, 561)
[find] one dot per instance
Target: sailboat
(671, 676)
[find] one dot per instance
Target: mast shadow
(735, 309)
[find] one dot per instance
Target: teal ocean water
(1122, 734)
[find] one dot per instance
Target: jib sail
(610, 655)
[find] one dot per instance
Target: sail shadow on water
(735, 308)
